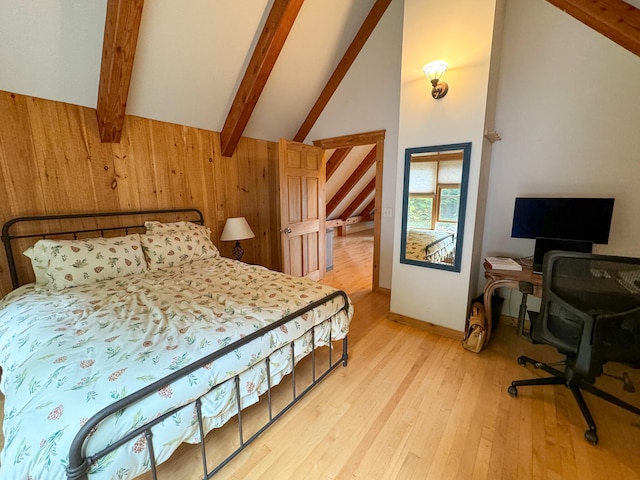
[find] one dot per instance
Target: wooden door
(302, 209)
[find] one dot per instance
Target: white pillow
(61, 264)
(171, 249)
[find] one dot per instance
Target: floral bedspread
(66, 355)
(429, 245)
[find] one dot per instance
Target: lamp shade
(236, 228)
(435, 70)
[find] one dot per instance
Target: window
(420, 212)
(434, 194)
(448, 208)
(422, 189)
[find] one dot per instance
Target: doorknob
(285, 230)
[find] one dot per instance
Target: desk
(509, 279)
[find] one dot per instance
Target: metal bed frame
(437, 253)
(79, 462)
(190, 214)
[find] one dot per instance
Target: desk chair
(590, 312)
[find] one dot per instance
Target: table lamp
(236, 229)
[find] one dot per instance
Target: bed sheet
(66, 355)
(421, 245)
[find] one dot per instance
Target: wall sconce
(434, 72)
(236, 229)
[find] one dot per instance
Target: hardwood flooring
(352, 263)
(414, 405)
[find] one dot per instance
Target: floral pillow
(158, 227)
(61, 264)
(170, 249)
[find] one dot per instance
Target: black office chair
(590, 312)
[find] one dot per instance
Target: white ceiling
(190, 58)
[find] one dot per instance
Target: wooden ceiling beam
(351, 140)
(368, 209)
(276, 29)
(121, 29)
(336, 159)
(369, 24)
(366, 163)
(615, 19)
(362, 196)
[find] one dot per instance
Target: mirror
(433, 205)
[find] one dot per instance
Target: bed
(429, 245)
(108, 367)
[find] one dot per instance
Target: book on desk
(503, 263)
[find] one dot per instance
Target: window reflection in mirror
(434, 204)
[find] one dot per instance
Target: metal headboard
(190, 214)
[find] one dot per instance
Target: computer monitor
(587, 219)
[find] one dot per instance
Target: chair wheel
(591, 436)
(521, 361)
(513, 391)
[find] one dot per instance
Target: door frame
(368, 138)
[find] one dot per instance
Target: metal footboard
(443, 250)
(80, 463)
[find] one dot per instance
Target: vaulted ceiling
(353, 193)
(259, 68)
(122, 27)
(617, 19)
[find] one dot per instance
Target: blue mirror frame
(453, 262)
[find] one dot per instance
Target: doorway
(352, 263)
(344, 144)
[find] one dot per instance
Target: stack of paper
(503, 263)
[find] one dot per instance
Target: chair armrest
(593, 352)
(604, 321)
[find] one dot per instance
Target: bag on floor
(476, 332)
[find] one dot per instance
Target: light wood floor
(414, 405)
(352, 263)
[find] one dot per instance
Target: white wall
(367, 100)
(459, 32)
(52, 49)
(568, 110)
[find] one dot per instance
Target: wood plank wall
(52, 161)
